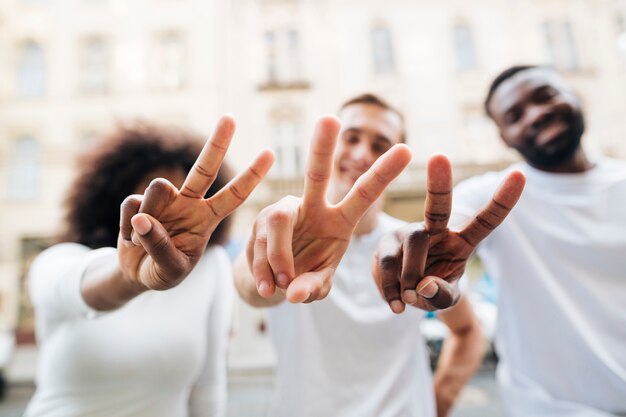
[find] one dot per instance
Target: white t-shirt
(348, 355)
(560, 261)
(163, 354)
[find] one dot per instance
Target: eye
(380, 148)
(512, 116)
(351, 138)
(544, 94)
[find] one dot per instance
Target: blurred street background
(71, 69)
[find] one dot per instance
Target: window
(169, 63)
(94, 66)
(282, 51)
(620, 24)
(31, 70)
(24, 169)
(271, 56)
(561, 46)
(464, 51)
(288, 153)
(382, 51)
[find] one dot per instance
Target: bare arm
(164, 232)
(104, 286)
(461, 354)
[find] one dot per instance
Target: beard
(566, 144)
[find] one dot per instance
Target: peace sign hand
(297, 243)
(164, 233)
(420, 264)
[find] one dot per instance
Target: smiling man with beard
(560, 256)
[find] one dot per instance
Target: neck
(369, 221)
(576, 164)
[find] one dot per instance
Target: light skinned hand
(297, 243)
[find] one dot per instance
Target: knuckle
(260, 239)
(279, 216)
(417, 237)
(390, 289)
(159, 185)
(389, 263)
(365, 194)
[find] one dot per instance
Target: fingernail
(396, 306)
(262, 287)
(429, 290)
(409, 296)
(141, 225)
(282, 280)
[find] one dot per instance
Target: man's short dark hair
(369, 98)
(502, 77)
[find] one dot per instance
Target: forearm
(460, 357)
(245, 285)
(104, 287)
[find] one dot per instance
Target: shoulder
(474, 192)
(484, 181)
(614, 168)
(58, 256)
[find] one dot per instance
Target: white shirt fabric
(348, 355)
(560, 262)
(163, 354)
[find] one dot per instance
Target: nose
(540, 116)
(362, 155)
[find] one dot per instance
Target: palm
(320, 234)
(297, 243)
(182, 221)
(189, 223)
(440, 261)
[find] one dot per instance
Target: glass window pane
(31, 70)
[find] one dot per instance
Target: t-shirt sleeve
(54, 284)
(208, 396)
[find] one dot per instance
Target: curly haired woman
(112, 341)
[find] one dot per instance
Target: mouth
(550, 133)
(350, 174)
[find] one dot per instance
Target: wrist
(128, 288)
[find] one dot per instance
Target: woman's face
(174, 175)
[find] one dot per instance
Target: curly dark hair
(115, 166)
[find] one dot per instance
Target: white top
(348, 355)
(163, 354)
(560, 259)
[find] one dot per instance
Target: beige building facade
(70, 69)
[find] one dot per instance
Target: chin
(571, 139)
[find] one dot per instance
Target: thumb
(171, 265)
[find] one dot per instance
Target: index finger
(320, 161)
(205, 168)
(490, 217)
(438, 203)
